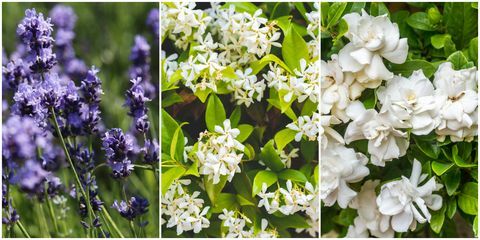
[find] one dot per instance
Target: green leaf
(355, 7)
(203, 94)
(457, 59)
(468, 198)
(419, 20)
(243, 201)
(346, 216)
(245, 131)
(215, 113)
(458, 160)
(438, 40)
(280, 9)
(235, 116)
(475, 221)
(225, 201)
(270, 157)
(295, 221)
(452, 181)
(316, 174)
(241, 7)
(461, 22)
(335, 12)
(294, 48)
(308, 149)
(178, 144)
(213, 190)
(438, 217)
(301, 8)
(428, 148)
(263, 176)
(193, 170)
(169, 125)
(473, 50)
(284, 137)
(378, 9)
(342, 29)
(409, 66)
(292, 174)
(440, 168)
(171, 99)
(249, 151)
(308, 108)
(258, 65)
(169, 176)
(451, 207)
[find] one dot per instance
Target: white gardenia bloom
(338, 89)
(406, 202)
(339, 166)
(371, 40)
(458, 93)
(219, 153)
(384, 141)
(327, 133)
(184, 211)
(369, 217)
(411, 101)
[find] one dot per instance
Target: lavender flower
(118, 147)
(31, 177)
(35, 31)
(27, 102)
(135, 100)
(63, 17)
(20, 139)
(140, 57)
(135, 207)
(153, 22)
(72, 124)
(15, 73)
(150, 152)
(91, 89)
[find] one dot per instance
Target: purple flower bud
(63, 17)
(135, 207)
(118, 146)
(150, 152)
(91, 87)
(31, 177)
(15, 73)
(153, 22)
(135, 100)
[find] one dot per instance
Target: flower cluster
(236, 225)
(185, 210)
(135, 207)
(363, 140)
(219, 153)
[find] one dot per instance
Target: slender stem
(99, 166)
(146, 167)
(22, 228)
(106, 224)
(72, 166)
(109, 218)
(132, 228)
(45, 228)
(52, 212)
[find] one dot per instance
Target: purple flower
(75, 68)
(20, 138)
(118, 147)
(135, 100)
(91, 87)
(63, 17)
(150, 152)
(31, 177)
(27, 101)
(153, 22)
(35, 31)
(135, 207)
(140, 57)
(72, 123)
(15, 73)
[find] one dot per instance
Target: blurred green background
(104, 36)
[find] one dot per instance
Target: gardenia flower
(340, 165)
(369, 218)
(338, 89)
(219, 153)
(327, 133)
(410, 101)
(406, 202)
(458, 93)
(371, 40)
(185, 211)
(384, 141)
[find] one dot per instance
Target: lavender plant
(82, 175)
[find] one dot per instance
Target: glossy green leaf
(419, 20)
(169, 125)
(457, 59)
(235, 116)
(292, 174)
(243, 201)
(178, 144)
(451, 180)
(378, 9)
(258, 65)
(169, 176)
(215, 113)
(245, 131)
(193, 170)
(264, 176)
(213, 190)
(270, 157)
(225, 201)
(294, 221)
(461, 22)
(458, 160)
(409, 66)
(440, 168)
(335, 12)
(294, 48)
(451, 207)
(438, 217)
(284, 137)
(468, 198)
(438, 40)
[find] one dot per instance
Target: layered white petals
(407, 202)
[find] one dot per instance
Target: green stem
(132, 228)
(22, 229)
(109, 218)
(52, 212)
(45, 228)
